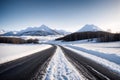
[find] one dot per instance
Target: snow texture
(10, 52)
(61, 69)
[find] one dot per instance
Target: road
(90, 69)
(33, 67)
(26, 68)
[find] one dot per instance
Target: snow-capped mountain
(10, 33)
(43, 30)
(62, 32)
(89, 27)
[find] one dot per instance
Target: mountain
(89, 27)
(43, 30)
(62, 32)
(10, 33)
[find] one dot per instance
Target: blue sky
(70, 15)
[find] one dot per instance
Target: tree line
(14, 40)
(100, 36)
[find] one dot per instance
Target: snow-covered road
(60, 68)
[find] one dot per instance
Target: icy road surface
(61, 69)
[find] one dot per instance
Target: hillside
(100, 35)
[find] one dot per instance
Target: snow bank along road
(55, 64)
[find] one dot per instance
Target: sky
(70, 15)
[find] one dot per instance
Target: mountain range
(43, 30)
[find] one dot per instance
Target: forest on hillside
(99, 35)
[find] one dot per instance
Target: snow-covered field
(109, 51)
(106, 48)
(60, 68)
(10, 52)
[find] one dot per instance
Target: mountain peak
(89, 27)
(44, 27)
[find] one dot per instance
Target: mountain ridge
(42, 30)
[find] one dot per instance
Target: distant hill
(100, 36)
